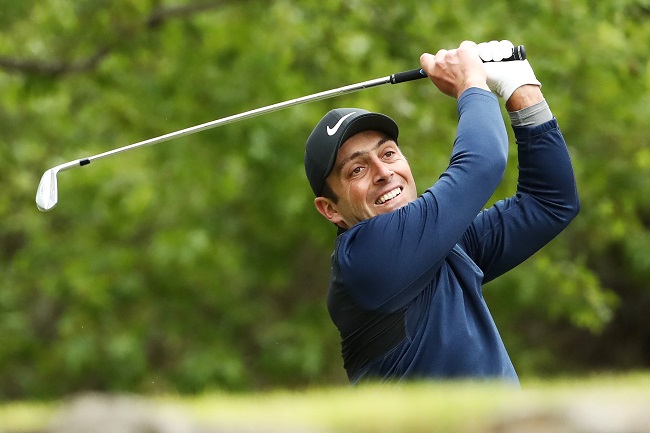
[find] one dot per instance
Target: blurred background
(201, 264)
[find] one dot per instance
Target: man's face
(370, 177)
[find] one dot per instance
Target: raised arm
(546, 200)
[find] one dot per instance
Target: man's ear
(328, 209)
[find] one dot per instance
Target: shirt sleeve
(387, 260)
(545, 202)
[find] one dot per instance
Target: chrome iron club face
(47, 194)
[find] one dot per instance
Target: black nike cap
(329, 135)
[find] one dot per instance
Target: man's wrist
(473, 85)
(524, 97)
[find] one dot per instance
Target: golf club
(47, 192)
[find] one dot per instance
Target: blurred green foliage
(202, 264)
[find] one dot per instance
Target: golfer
(407, 270)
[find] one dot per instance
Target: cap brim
(365, 122)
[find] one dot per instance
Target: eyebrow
(339, 168)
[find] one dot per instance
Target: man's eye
(389, 153)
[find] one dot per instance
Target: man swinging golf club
(407, 271)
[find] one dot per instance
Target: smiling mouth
(389, 196)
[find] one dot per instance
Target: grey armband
(530, 116)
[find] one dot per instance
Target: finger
(469, 47)
(442, 54)
(426, 60)
(467, 44)
(506, 49)
(496, 51)
(484, 52)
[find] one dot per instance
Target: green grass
(425, 407)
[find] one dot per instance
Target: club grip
(402, 77)
(518, 53)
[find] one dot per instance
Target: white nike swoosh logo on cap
(332, 131)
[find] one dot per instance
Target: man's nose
(382, 171)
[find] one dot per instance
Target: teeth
(389, 195)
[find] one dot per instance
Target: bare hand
(454, 71)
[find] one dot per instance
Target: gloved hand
(503, 78)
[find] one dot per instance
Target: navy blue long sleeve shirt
(406, 286)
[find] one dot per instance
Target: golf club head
(47, 193)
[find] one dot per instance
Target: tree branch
(52, 69)
(158, 16)
(155, 19)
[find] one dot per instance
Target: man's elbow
(575, 207)
(494, 167)
(570, 209)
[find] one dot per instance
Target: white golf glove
(503, 78)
